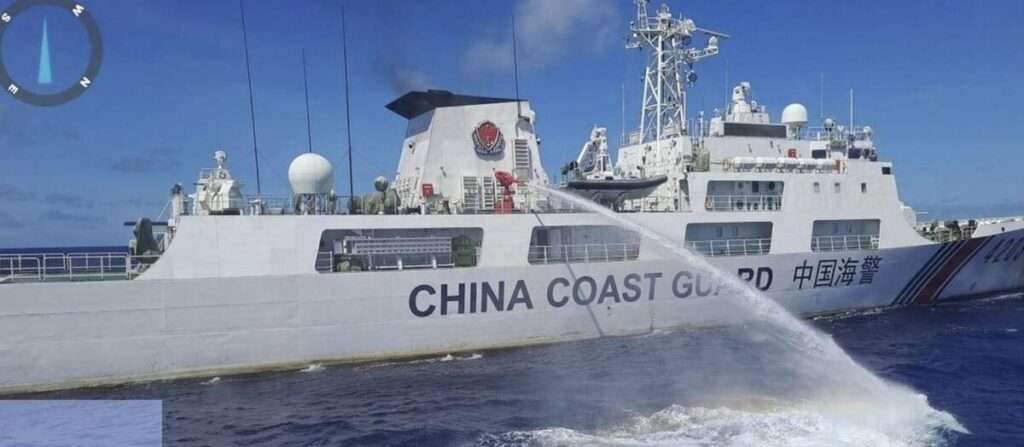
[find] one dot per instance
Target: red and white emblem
(487, 139)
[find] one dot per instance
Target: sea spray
(812, 376)
(315, 367)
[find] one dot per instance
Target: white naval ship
(459, 252)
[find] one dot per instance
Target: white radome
(311, 173)
(794, 114)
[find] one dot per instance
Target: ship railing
(207, 173)
(583, 253)
(731, 247)
(944, 235)
(40, 267)
(329, 261)
(821, 133)
(948, 236)
(849, 242)
(748, 202)
(269, 205)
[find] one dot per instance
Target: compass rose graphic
(49, 88)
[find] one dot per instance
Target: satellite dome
(311, 173)
(829, 124)
(795, 115)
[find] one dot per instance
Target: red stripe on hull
(937, 282)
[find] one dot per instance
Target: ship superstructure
(462, 250)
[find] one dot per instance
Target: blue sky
(937, 80)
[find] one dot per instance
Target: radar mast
(669, 69)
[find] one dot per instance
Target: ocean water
(719, 386)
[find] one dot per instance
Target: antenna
(515, 74)
(622, 129)
(252, 105)
(348, 111)
(669, 72)
(305, 86)
(728, 88)
(821, 98)
(851, 110)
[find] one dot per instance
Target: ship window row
(837, 187)
(755, 238)
(582, 244)
(730, 238)
(360, 250)
(845, 235)
(818, 164)
(744, 196)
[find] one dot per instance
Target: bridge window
(360, 250)
(582, 243)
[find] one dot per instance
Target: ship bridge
(458, 148)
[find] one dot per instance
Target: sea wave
(315, 367)
(754, 425)
(428, 360)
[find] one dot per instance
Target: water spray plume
(811, 376)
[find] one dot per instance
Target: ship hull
(61, 335)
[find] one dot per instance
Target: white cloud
(547, 30)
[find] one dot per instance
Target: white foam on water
(212, 381)
(456, 358)
(836, 401)
(443, 359)
(313, 368)
(850, 314)
(756, 425)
